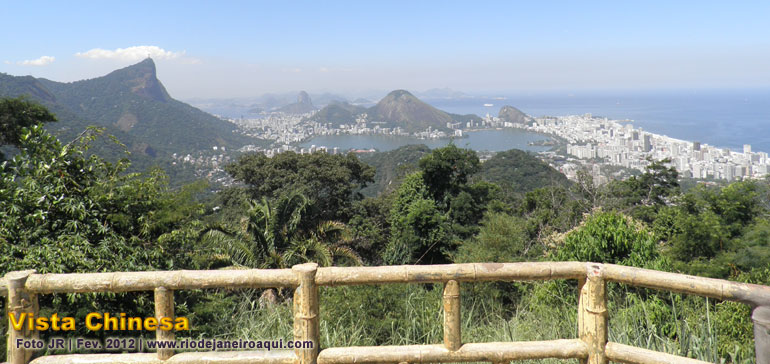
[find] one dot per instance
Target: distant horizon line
(566, 92)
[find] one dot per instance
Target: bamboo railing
(592, 346)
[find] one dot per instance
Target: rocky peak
(400, 94)
(513, 115)
(304, 98)
(143, 80)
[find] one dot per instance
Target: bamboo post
(761, 317)
(306, 323)
(19, 301)
(452, 334)
(164, 307)
(592, 315)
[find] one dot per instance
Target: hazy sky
(236, 49)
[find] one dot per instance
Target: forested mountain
(398, 109)
(132, 104)
(514, 115)
(338, 113)
(520, 171)
(402, 109)
(391, 166)
(513, 170)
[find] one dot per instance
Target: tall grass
(412, 314)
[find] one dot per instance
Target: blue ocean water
(724, 118)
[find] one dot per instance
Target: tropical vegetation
(68, 210)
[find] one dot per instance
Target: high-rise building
(647, 142)
(747, 148)
(696, 146)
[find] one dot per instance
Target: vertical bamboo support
(592, 315)
(19, 301)
(164, 307)
(452, 334)
(761, 317)
(306, 320)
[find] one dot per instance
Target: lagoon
(493, 140)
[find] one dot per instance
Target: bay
(725, 118)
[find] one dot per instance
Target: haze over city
(242, 49)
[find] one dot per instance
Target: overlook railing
(591, 347)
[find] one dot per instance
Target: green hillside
(338, 113)
(520, 171)
(402, 109)
(398, 109)
(392, 166)
(515, 171)
(514, 115)
(132, 104)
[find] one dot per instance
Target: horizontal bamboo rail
(333, 276)
(148, 281)
(223, 357)
(752, 294)
(488, 352)
(468, 272)
(620, 353)
(22, 289)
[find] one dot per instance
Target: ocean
(724, 118)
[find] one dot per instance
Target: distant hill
(402, 109)
(391, 166)
(338, 113)
(514, 115)
(514, 170)
(132, 104)
(519, 171)
(303, 105)
(246, 106)
(398, 109)
(327, 98)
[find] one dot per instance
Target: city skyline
(242, 49)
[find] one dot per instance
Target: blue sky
(246, 48)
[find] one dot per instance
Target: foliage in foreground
(67, 211)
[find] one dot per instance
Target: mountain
(338, 113)
(514, 115)
(398, 109)
(515, 171)
(25, 85)
(328, 98)
(391, 167)
(362, 101)
(518, 171)
(302, 106)
(132, 104)
(402, 109)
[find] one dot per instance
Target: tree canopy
(330, 182)
(17, 114)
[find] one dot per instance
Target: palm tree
(272, 236)
(321, 245)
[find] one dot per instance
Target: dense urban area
(588, 143)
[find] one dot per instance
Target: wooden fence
(591, 347)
